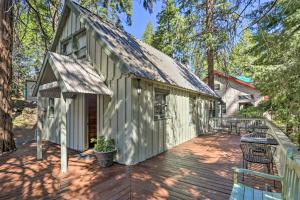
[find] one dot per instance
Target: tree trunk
(209, 44)
(6, 40)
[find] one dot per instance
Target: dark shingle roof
(141, 59)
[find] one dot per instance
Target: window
(212, 109)
(245, 97)
(67, 47)
(223, 106)
(160, 105)
(51, 107)
(192, 107)
(79, 45)
(217, 86)
(75, 44)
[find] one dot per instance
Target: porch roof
(76, 75)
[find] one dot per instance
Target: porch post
(39, 129)
(63, 135)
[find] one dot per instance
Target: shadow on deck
(197, 169)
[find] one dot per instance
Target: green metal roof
(244, 78)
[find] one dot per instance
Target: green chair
(289, 181)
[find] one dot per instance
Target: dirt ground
(24, 122)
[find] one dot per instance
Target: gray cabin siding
(125, 116)
(75, 122)
(151, 137)
(113, 120)
(76, 130)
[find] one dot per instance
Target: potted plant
(104, 150)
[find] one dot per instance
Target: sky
(141, 17)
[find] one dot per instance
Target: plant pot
(105, 159)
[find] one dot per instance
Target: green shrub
(257, 111)
(103, 145)
(251, 112)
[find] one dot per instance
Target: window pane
(217, 86)
(51, 107)
(160, 106)
(224, 108)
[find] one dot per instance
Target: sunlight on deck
(199, 168)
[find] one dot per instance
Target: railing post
(235, 178)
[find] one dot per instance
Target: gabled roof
(76, 76)
(238, 81)
(140, 59)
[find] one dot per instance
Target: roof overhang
(73, 76)
(240, 82)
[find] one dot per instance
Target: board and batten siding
(76, 137)
(151, 137)
(113, 112)
(125, 116)
(72, 25)
(75, 122)
(50, 123)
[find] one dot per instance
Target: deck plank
(198, 169)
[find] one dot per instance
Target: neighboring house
(100, 80)
(29, 87)
(236, 93)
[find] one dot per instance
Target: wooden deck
(197, 169)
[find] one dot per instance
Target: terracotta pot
(105, 159)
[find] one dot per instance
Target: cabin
(98, 80)
(236, 93)
(29, 87)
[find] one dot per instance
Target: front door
(91, 102)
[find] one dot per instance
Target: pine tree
(6, 37)
(277, 67)
(241, 58)
(170, 37)
(212, 24)
(148, 33)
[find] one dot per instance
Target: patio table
(258, 140)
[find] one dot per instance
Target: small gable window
(217, 87)
(67, 47)
(75, 44)
(51, 107)
(79, 45)
(160, 105)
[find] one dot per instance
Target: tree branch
(38, 17)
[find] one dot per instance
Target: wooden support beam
(39, 130)
(63, 135)
(39, 154)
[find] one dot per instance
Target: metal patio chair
(258, 153)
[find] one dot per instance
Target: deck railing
(289, 169)
(219, 123)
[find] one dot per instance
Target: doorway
(91, 102)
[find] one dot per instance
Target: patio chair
(290, 189)
(244, 127)
(225, 127)
(258, 153)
